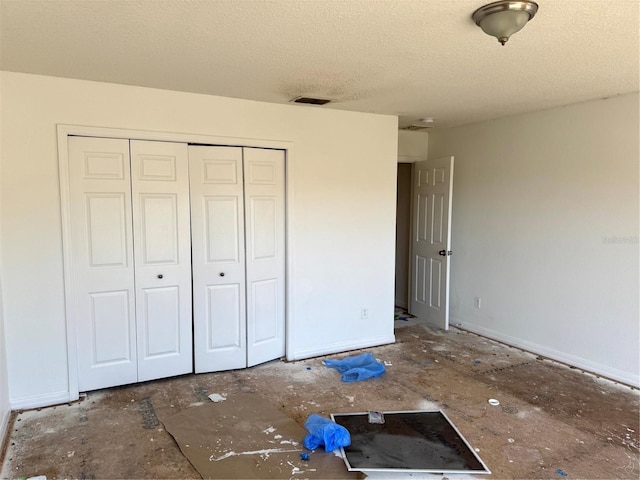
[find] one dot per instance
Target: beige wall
(5, 408)
(412, 145)
(342, 222)
(545, 230)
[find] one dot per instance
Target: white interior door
(162, 250)
(265, 223)
(431, 240)
(102, 263)
(217, 212)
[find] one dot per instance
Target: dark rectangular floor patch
(409, 441)
(201, 394)
(149, 419)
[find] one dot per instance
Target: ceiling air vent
(310, 100)
(421, 124)
(414, 128)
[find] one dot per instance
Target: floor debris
(356, 368)
(325, 432)
(246, 437)
(216, 397)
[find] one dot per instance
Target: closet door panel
(223, 318)
(161, 316)
(102, 262)
(264, 317)
(217, 222)
(222, 218)
(110, 326)
(264, 194)
(162, 246)
(107, 229)
(159, 229)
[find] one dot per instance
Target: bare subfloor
(552, 421)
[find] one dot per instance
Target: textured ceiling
(411, 58)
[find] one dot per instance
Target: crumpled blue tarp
(358, 367)
(323, 431)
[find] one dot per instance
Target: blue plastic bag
(323, 431)
(358, 367)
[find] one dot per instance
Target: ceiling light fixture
(504, 18)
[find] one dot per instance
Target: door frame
(402, 160)
(65, 130)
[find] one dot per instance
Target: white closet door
(265, 227)
(217, 213)
(102, 264)
(162, 246)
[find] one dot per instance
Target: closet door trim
(64, 131)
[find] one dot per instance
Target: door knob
(443, 253)
(222, 274)
(160, 275)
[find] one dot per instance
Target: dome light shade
(504, 18)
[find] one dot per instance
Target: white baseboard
(38, 401)
(579, 362)
(341, 347)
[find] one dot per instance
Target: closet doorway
(175, 257)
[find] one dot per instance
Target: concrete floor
(552, 421)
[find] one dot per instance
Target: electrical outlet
(364, 313)
(477, 302)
